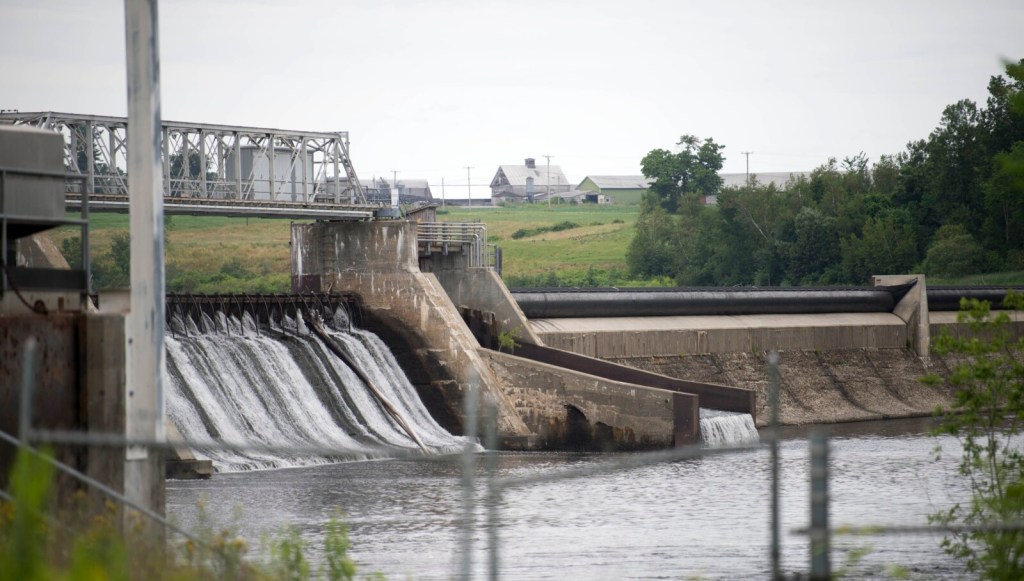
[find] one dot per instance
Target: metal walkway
(211, 169)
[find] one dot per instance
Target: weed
(507, 340)
(38, 542)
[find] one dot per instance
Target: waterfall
(228, 382)
(719, 428)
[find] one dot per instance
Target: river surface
(696, 518)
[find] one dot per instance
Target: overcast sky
(428, 87)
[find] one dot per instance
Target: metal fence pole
(470, 403)
(493, 491)
(28, 379)
(773, 431)
(819, 533)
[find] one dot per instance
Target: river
(706, 517)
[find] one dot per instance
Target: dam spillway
(279, 386)
(554, 303)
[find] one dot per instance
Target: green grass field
(214, 254)
(208, 253)
(599, 241)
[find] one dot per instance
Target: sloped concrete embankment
(820, 386)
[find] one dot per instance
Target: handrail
(473, 234)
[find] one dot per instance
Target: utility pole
(469, 191)
(144, 330)
(747, 153)
(549, 178)
(442, 193)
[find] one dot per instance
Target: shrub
(988, 405)
(954, 253)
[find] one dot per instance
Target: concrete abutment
(418, 314)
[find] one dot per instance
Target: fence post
(28, 381)
(493, 491)
(773, 431)
(819, 534)
(470, 408)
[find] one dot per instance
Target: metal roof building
(621, 189)
(524, 182)
(776, 178)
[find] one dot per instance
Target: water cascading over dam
(279, 385)
(720, 429)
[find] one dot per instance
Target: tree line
(949, 205)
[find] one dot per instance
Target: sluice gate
(263, 308)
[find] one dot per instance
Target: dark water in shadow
(706, 517)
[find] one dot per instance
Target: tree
(958, 158)
(184, 174)
(1004, 200)
(651, 253)
(886, 246)
(815, 248)
(692, 171)
(986, 415)
(954, 253)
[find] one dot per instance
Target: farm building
(527, 182)
(619, 189)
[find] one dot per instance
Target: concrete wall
(436, 259)
(483, 290)
(378, 262)
(667, 336)
(55, 399)
(947, 321)
(820, 386)
(79, 385)
(912, 309)
(566, 409)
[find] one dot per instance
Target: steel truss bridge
(211, 169)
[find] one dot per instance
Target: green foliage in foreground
(986, 416)
(79, 542)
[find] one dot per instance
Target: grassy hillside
(595, 246)
(588, 248)
(206, 253)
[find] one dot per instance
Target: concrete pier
(377, 261)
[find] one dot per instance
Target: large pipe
(947, 298)
(564, 303)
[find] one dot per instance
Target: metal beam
(325, 156)
(183, 207)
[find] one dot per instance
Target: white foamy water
(720, 429)
(228, 383)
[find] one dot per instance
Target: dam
(418, 319)
(232, 382)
